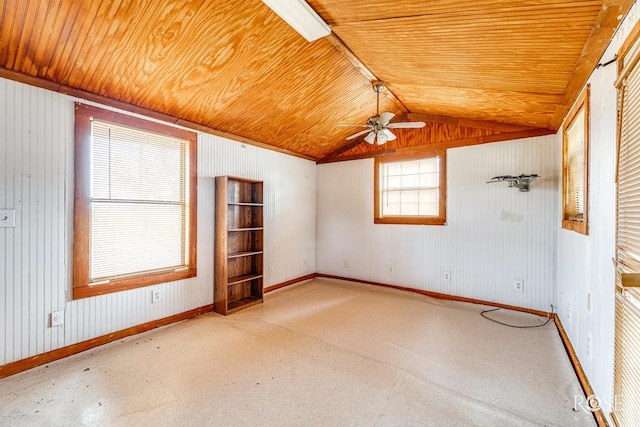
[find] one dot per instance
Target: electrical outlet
(390, 268)
(7, 218)
(518, 286)
(346, 263)
(568, 312)
(57, 318)
(446, 276)
(156, 295)
(305, 263)
(589, 346)
(271, 270)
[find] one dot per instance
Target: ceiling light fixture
(301, 17)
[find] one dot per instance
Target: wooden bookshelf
(238, 260)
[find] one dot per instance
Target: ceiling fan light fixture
(301, 17)
(382, 138)
(370, 138)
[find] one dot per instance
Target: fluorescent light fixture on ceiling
(301, 17)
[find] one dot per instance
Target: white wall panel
(36, 179)
(494, 234)
(585, 262)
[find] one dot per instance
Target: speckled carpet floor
(321, 353)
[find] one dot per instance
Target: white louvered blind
(574, 163)
(410, 188)
(627, 339)
(138, 202)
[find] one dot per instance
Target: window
(627, 302)
(575, 174)
(135, 203)
(410, 190)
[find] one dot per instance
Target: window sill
(410, 220)
(577, 226)
(87, 291)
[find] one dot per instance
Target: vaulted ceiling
(471, 69)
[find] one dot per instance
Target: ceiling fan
(378, 126)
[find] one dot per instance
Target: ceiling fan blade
(382, 138)
(385, 117)
(370, 138)
(355, 135)
(406, 125)
(389, 134)
(351, 124)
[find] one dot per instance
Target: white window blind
(410, 188)
(574, 163)
(627, 338)
(138, 202)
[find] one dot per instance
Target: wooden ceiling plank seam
(14, 31)
(4, 32)
(104, 32)
(492, 21)
(527, 17)
(460, 121)
(42, 52)
(418, 150)
(374, 9)
(25, 42)
(608, 20)
(343, 49)
(63, 40)
(39, 39)
(79, 42)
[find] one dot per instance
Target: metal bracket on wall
(521, 182)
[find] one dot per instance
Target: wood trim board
(577, 367)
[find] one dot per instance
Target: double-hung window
(410, 190)
(575, 176)
(135, 202)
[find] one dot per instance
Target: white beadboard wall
(494, 234)
(585, 262)
(36, 179)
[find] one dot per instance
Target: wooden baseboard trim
(40, 359)
(288, 283)
(577, 367)
(440, 295)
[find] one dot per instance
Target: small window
(410, 190)
(135, 204)
(575, 166)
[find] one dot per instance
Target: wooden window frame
(441, 219)
(82, 287)
(582, 104)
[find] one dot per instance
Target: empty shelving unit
(238, 244)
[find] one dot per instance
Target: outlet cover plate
(446, 276)
(518, 286)
(7, 218)
(57, 318)
(156, 295)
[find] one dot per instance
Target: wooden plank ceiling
(471, 69)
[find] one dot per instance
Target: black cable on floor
(514, 326)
